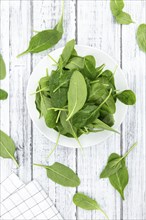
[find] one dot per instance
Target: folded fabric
(27, 202)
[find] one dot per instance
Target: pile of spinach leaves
(78, 97)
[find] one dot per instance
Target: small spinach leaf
(141, 37)
(89, 67)
(124, 18)
(67, 52)
(2, 68)
(45, 39)
(85, 202)
(3, 94)
(75, 63)
(119, 180)
(61, 174)
(7, 147)
(127, 97)
(116, 6)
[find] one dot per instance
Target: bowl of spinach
(78, 96)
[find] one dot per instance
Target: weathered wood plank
(50, 12)
(5, 165)
(134, 66)
(97, 28)
(20, 124)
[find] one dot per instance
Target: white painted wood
(94, 26)
(20, 126)
(97, 30)
(5, 165)
(134, 66)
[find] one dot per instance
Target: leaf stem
(52, 59)
(53, 149)
(105, 100)
(104, 213)
(131, 148)
(40, 90)
(57, 109)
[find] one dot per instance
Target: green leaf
(110, 105)
(97, 93)
(67, 52)
(99, 70)
(141, 37)
(61, 174)
(89, 67)
(107, 118)
(120, 180)
(113, 165)
(75, 63)
(2, 68)
(127, 97)
(116, 6)
(58, 88)
(77, 93)
(100, 124)
(45, 39)
(87, 203)
(67, 125)
(124, 18)
(3, 94)
(7, 147)
(84, 116)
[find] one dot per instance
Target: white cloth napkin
(19, 201)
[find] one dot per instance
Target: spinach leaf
(107, 118)
(44, 84)
(75, 63)
(110, 106)
(113, 165)
(45, 39)
(116, 6)
(67, 125)
(61, 174)
(117, 11)
(3, 94)
(101, 125)
(124, 18)
(82, 117)
(117, 172)
(7, 147)
(127, 97)
(97, 93)
(58, 96)
(141, 37)
(89, 67)
(99, 70)
(2, 68)
(119, 180)
(38, 101)
(77, 93)
(85, 202)
(67, 52)
(50, 116)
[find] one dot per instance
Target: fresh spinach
(85, 202)
(141, 37)
(127, 97)
(116, 171)
(3, 94)
(7, 147)
(2, 68)
(61, 174)
(45, 39)
(117, 11)
(79, 97)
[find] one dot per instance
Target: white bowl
(40, 71)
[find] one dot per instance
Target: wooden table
(91, 23)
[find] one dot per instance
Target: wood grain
(91, 23)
